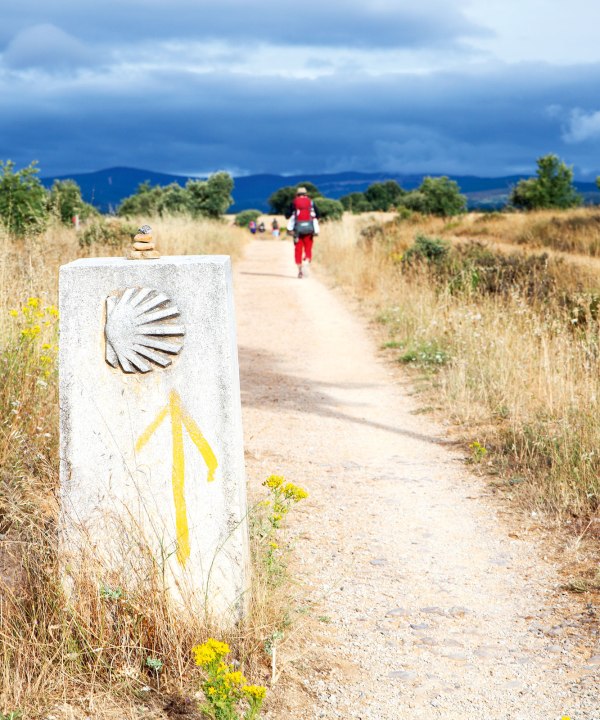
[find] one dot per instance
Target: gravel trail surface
(425, 604)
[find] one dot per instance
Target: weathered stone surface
(143, 245)
(133, 254)
(143, 237)
(152, 470)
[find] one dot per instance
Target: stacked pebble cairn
(143, 247)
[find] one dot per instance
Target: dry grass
(576, 231)
(512, 355)
(88, 657)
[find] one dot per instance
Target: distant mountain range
(106, 189)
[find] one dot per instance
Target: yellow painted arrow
(180, 418)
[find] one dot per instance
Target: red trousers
(303, 248)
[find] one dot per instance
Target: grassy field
(498, 314)
(114, 649)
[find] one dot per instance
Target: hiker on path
(275, 228)
(303, 217)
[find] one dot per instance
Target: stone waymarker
(152, 467)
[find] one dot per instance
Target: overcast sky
(190, 86)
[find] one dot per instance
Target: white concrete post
(151, 447)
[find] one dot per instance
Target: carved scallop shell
(140, 328)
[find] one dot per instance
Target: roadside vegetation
(119, 649)
(503, 332)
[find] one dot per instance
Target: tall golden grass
(87, 657)
(518, 369)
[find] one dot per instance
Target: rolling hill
(106, 189)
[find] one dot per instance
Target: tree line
(552, 187)
(26, 206)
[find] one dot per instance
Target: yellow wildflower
(235, 678)
(52, 310)
(293, 492)
(273, 481)
(14, 313)
(203, 655)
(256, 692)
(273, 545)
(33, 302)
(46, 346)
(218, 647)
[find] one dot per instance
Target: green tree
(355, 202)
(436, 196)
(281, 199)
(415, 200)
(330, 209)
(212, 197)
(66, 201)
(23, 200)
(552, 188)
(384, 195)
(173, 200)
(144, 202)
(199, 198)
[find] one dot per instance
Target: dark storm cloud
(180, 121)
(350, 23)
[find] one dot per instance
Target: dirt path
(430, 606)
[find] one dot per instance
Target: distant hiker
(252, 227)
(275, 228)
(303, 217)
(261, 227)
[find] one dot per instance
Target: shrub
(427, 248)
(112, 233)
(355, 202)
(243, 218)
(436, 196)
(23, 200)
(330, 209)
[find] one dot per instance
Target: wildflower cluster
(267, 522)
(478, 451)
(36, 325)
(225, 689)
(283, 496)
